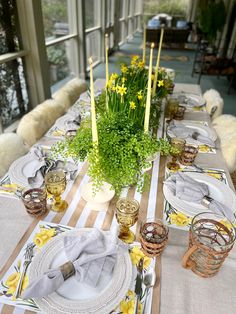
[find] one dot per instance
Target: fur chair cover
(70, 92)
(11, 148)
(213, 99)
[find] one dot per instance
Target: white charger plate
(75, 297)
(218, 190)
(193, 100)
(201, 129)
(21, 169)
(61, 122)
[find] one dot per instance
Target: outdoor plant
(122, 151)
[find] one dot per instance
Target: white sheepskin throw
(72, 89)
(213, 99)
(228, 147)
(11, 148)
(225, 125)
(51, 110)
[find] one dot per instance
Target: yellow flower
(13, 279)
(124, 69)
(44, 236)
(139, 95)
(110, 83)
(214, 174)
(123, 79)
(204, 148)
(227, 224)
(135, 58)
(132, 105)
(140, 64)
(160, 83)
(12, 282)
(179, 219)
(121, 90)
(152, 77)
(114, 88)
(128, 307)
(136, 254)
(113, 76)
(131, 294)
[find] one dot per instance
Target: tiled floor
(183, 69)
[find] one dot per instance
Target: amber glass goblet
(178, 146)
(126, 214)
(55, 183)
(172, 107)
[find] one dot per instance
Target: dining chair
(12, 147)
(70, 92)
(214, 103)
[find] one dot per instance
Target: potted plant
(122, 152)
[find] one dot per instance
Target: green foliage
(171, 7)
(121, 154)
(212, 18)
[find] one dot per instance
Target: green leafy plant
(121, 154)
(212, 18)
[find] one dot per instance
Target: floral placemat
(41, 234)
(175, 218)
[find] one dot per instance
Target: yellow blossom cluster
(140, 95)
(42, 237)
(121, 90)
(179, 219)
(132, 105)
(12, 282)
(127, 305)
(136, 254)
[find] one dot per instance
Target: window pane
(92, 9)
(93, 45)
(13, 92)
(8, 30)
(58, 58)
(122, 32)
(110, 12)
(122, 8)
(55, 18)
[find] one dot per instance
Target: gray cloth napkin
(181, 131)
(93, 255)
(45, 164)
(190, 190)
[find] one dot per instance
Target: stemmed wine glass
(126, 214)
(178, 146)
(55, 183)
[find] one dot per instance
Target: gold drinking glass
(126, 215)
(172, 107)
(178, 146)
(55, 182)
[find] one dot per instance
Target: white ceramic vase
(98, 201)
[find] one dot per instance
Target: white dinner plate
(191, 100)
(62, 121)
(75, 297)
(196, 127)
(21, 169)
(218, 190)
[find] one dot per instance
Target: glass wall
(13, 89)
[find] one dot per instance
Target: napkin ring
(67, 270)
(206, 201)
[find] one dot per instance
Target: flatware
(149, 281)
(27, 261)
(138, 285)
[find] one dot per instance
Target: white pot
(100, 200)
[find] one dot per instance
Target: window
(13, 87)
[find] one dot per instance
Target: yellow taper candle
(148, 100)
(93, 111)
(107, 71)
(144, 44)
(157, 63)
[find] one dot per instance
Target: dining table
(177, 290)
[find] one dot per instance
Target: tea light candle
(157, 63)
(93, 112)
(144, 44)
(148, 100)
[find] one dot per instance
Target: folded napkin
(93, 254)
(190, 190)
(43, 164)
(180, 130)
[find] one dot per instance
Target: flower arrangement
(126, 92)
(122, 151)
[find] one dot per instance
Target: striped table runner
(79, 215)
